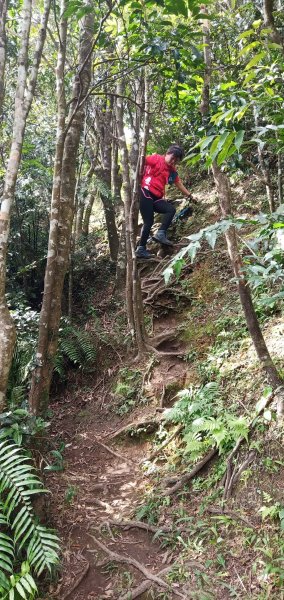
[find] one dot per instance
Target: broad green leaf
(224, 152)
(177, 7)
(21, 590)
(248, 48)
(255, 60)
(228, 85)
(177, 266)
(211, 237)
(206, 141)
(168, 272)
(239, 138)
(245, 34)
(256, 24)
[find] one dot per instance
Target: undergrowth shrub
(206, 421)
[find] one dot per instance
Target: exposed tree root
(163, 337)
(117, 454)
(165, 443)
(130, 561)
(151, 422)
(144, 586)
(139, 524)
(215, 510)
(188, 476)
(233, 474)
(77, 582)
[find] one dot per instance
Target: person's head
(174, 155)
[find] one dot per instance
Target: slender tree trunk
(62, 211)
(87, 215)
(265, 170)
(134, 305)
(23, 99)
(275, 36)
(3, 14)
(104, 128)
(79, 221)
(115, 177)
(279, 177)
(224, 193)
(120, 274)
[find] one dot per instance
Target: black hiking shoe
(141, 252)
(161, 237)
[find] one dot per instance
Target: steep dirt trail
(103, 480)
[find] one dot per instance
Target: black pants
(150, 204)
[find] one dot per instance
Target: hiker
(158, 172)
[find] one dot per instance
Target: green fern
(206, 422)
(21, 585)
(22, 532)
(75, 346)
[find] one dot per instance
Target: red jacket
(156, 175)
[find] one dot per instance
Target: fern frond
(18, 483)
(43, 549)
(21, 585)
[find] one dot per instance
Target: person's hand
(192, 199)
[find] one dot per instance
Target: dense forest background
(86, 91)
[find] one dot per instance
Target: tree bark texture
(3, 14)
(87, 214)
(115, 176)
(25, 89)
(224, 193)
(104, 128)
(265, 169)
(280, 176)
(62, 209)
(134, 304)
(275, 36)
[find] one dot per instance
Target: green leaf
(228, 85)
(249, 47)
(211, 237)
(255, 60)
(224, 152)
(21, 590)
(177, 7)
(245, 34)
(239, 138)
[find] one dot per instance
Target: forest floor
(124, 533)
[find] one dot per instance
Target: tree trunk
(275, 36)
(23, 99)
(87, 215)
(115, 176)
(224, 193)
(134, 305)
(3, 14)
(279, 177)
(264, 169)
(62, 210)
(104, 127)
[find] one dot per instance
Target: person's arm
(151, 160)
(182, 188)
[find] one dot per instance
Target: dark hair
(176, 150)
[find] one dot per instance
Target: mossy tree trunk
(62, 207)
(24, 94)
